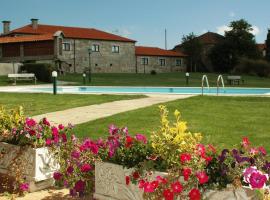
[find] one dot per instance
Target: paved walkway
(84, 114)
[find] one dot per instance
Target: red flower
(185, 157)
(212, 148)
(168, 194)
(194, 194)
(245, 142)
(79, 186)
(86, 168)
(136, 175)
(154, 184)
(127, 180)
(262, 150)
(141, 183)
(177, 187)
(202, 177)
(148, 187)
(129, 141)
(57, 175)
(186, 173)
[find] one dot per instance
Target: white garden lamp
(187, 78)
(54, 77)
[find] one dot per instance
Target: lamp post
(84, 78)
(187, 78)
(89, 70)
(54, 77)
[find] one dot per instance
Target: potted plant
(24, 152)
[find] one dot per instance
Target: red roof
(72, 32)
(261, 47)
(210, 38)
(28, 38)
(154, 51)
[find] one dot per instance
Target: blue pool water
(162, 90)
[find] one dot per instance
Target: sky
(142, 20)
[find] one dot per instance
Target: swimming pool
(158, 90)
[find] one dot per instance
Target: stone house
(262, 49)
(159, 60)
(75, 49)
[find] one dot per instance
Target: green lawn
(166, 79)
(35, 104)
(222, 120)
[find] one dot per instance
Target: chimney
(6, 27)
(34, 23)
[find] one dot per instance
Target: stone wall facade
(170, 65)
(104, 60)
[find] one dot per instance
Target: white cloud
(255, 30)
(221, 30)
(232, 14)
(122, 32)
(204, 31)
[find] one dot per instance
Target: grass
(35, 104)
(165, 79)
(222, 120)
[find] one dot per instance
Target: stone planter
(110, 184)
(38, 164)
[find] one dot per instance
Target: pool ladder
(220, 79)
(205, 79)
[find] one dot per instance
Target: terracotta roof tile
(72, 32)
(154, 51)
(27, 38)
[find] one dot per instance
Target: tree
(267, 42)
(193, 48)
(238, 42)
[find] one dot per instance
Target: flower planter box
(38, 165)
(110, 184)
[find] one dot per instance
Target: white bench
(234, 80)
(22, 77)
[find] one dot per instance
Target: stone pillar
(6, 27)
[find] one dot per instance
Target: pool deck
(84, 114)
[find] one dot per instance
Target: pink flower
(57, 175)
(177, 187)
(55, 132)
(75, 154)
(61, 126)
(168, 194)
(86, 168)
(154, 184)
(64, 137)
(185, 157)
(186, 173)
(70, 170)
(194, 194)
(161, 180)
(248, 172)
(200, 149)
(79, 186)
(202, 177)
(262, 150)
(48, 142)
(253, 151)
(30, 122)
(148, 187)
(141, 138)
(257, 180)
(46, 122)
(113, 129)
(24, 187)
(245, 142)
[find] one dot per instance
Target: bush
(42, 71)
(253, 67)
(153, 72)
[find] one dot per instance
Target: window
(178, 62)
(66, 46)
(115, 49)
(144, 61)
(95, 48)
(162, 62)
